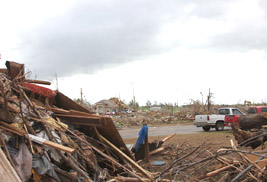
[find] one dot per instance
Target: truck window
(236, 112)
(224, 111)
(252, 111)
(263, 109)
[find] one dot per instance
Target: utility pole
(202, 97)
(133, 98)
(209, 101)
(56, 82)
(81, 95)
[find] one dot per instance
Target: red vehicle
(230, 119)
(257, 109)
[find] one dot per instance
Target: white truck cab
(214, 120)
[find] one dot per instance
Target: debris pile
(200, 163)
(47, 137)
(160, 117)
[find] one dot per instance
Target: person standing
(143, 137)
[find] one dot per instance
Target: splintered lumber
(82, 120)
(110, 131)
(213, 173)
(9, 105)
(252, 121)
(131, 161)
(158, 150)
(37, 82)
(168, 137)
(102, 154)
(74, 112)
(43, 141)
(59, 110)
(12, 129)
(7, 172)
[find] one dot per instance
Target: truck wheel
(219, 126)
(206, 128)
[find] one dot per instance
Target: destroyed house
(106, 106)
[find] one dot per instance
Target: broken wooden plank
(13, 128)
(111, 132)
(74, 112)
(143, 171)
(43, 141)
(168, 137)
(158, 150)
(7, 172)
(10, 106)
(37, 82)
(82, 120)
(111, 159)
(59, 110)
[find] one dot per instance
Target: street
(163, 130)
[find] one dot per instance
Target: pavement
(164, 130)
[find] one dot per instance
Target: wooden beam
(107, 157)
(7, 172)
(82, 120)
(146, 150)
(158, 150)
(37, 82)
(10, 106)
(138, 167)
(43, 141)
(13, 128)
(168, 137)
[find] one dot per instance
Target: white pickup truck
(215, 120)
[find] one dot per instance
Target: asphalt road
(163, 130)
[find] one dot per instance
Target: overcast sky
(165, 51)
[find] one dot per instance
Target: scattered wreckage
(45, 136)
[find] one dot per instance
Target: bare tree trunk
(252, 121)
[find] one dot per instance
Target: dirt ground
(214, 139)
(177, 144)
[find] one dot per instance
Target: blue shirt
(142, 136)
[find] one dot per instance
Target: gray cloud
(99, 34)
(91, 36)
(242, 38)
(210, 9)
(246, 34)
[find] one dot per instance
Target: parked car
(257, 109)
(128, 111)
(216, 121)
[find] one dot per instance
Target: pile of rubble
(47, 137)
(200, 163)
(155, 118)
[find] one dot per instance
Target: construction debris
(58, 139)
(45, 136)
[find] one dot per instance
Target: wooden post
(146, 150)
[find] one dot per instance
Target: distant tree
(148, 103)
(86, 104)
(133, 104)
